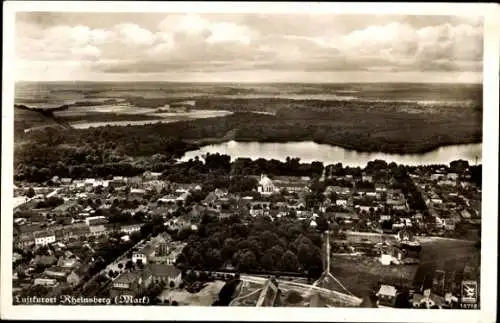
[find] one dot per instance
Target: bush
(294, 297)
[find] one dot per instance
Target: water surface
(309, 151)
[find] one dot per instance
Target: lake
(309, 151)
(165, 117)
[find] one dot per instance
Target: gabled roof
(387, 290)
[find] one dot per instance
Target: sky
(52, 46)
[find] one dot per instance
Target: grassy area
(448, 255)
(205, 297)
(360, 274)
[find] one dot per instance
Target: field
(360, 274)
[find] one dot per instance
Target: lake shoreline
(230, 137)
(309, 151)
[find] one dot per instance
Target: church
(266, 185)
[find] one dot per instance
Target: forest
(391, 127)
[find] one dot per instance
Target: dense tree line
(260, 245)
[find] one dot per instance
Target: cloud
(302, 43)
(132, 34)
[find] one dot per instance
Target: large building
(266, 186)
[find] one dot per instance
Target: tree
(268, 261)
(247, 260)
(129, 265)
(30, 193)
(172, 284)
(174, 303)
(322, 223)
(120, 266)
(289, 262)
(139, 264)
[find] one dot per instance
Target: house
(25, 241)
(436, 200)
(447, 182)
(155, 185)
(449, 225)
(345, 216)
(259, 208)
(95, 220)
(367, 178)
(291, 184)
(380, 188)
(366, 208)
(148, 175)
(131, 228)
(67, 262)
(73, 279)
(102, 183)
(161, 245)
(341, 190)
(48, 282)
(465, 214)
(44, 260)
(170, 198)
(56, 273)
(266, 185)
(452, 176)
(341, 202)
(131, 283)
(117, 182)
(66, 180)
(385, 217)
(137, 193)
(168, 274)
(219, 193)
(76, 230)
(44, 238)
(436, 176)
(97, 230)
(386, 296)
(182, 198)
(16, 257)
(439, 222)
(144, 254)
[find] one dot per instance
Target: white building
(93, 218)
(367, 178)
(385, 217)
(447, 182)
(44, 238)
(266, 186)
(50, 282)
(131, 228)
(341, 202)
(436, 176)
(437, 200)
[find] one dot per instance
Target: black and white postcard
(189, 160)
